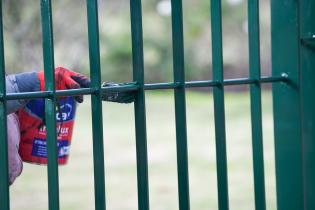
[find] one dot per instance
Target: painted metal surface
(150, 86)
(219, 109)
(287, 109)
(139, 105)
(256, 110)
(307, 76)
(180, 104)
(96, 101)
(50, 104)
(293, 61)
(4, 178)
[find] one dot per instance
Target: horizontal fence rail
(149, 86)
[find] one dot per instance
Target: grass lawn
(76, 178)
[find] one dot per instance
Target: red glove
(66, 79)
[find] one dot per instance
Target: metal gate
(293, 56)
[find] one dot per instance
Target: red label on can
(33, 145)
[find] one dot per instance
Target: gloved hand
(119, 97)
(66, 79)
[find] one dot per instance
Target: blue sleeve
(16, 83)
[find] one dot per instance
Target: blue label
(64, 112)
(40, 148)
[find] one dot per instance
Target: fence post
(307, 74)
(286, 96)
(293, 54)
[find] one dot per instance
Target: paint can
(33, 144)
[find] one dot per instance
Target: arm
(34, 81)
(65, 79)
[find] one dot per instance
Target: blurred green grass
(76, 178)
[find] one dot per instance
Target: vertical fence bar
(287, 109)
(4, 178)
(256, 110)
(97, 113)
(139, 106)
(219, 110)
(180, 104)
(50, 110)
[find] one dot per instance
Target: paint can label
(33, 144)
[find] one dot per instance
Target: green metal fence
(293, 56)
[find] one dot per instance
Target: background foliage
(23, 38)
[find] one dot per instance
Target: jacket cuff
(16, 83)
(27, 82)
